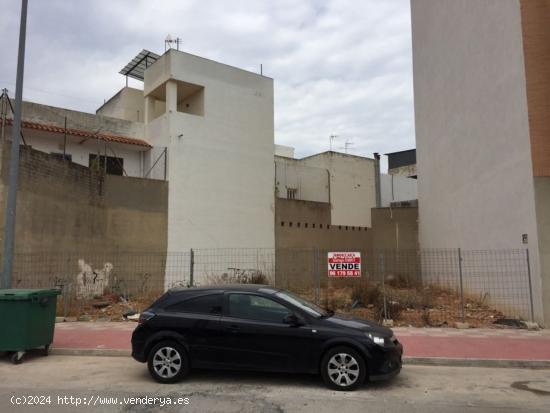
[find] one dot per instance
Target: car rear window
(205, 304)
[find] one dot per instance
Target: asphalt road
(112, 379)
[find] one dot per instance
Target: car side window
(205, 304)
(255, 307)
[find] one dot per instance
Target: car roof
(224, 288)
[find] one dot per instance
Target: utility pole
(9, 231)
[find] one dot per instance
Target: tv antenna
(331, 138)
(169, 42)
(347, 145)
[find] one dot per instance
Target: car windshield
(308, 307)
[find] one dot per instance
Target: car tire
(168, 362)
(343, 368)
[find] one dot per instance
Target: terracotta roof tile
(81, 133)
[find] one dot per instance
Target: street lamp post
(9, 230)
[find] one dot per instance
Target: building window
(313, 225)
(290, 224)
(321, 226)
(60, 156)
(291, 193)
(115, 166)
(282, 223)
(305, 224)
(298, 224)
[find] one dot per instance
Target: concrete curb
(411, 361)
(456, 362)
(102, 352)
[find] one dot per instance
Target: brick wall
(535, 16)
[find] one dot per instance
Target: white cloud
(340, 66)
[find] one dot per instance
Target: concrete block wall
(307, 224)
(65, 212)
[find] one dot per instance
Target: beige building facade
(347, 182)
(482, 93)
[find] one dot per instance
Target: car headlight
(376, 339)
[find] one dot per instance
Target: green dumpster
(27, 320)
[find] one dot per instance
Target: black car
(255, 327)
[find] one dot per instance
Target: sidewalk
(490, 347)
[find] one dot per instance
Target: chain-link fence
(429, 287)
(413, 287)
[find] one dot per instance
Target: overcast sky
(341, 67)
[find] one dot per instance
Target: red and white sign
(344, 264)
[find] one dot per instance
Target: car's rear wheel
(343, 368)
(168, 362)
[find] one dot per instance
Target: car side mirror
(292, 320)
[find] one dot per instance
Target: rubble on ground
(413, 307)
(407, 307)
(109, 307)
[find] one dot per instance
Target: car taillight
(145, 316)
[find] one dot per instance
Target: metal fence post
(65, 282)
(191, 267)
(317, 275)
(461, 284)
(382, 270)
(165, 161)
(530, 285)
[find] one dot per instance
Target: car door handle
(233, 328)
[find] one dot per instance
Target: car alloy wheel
(343, 369)
(168, 362)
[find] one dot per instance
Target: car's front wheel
(343, 368)
(168, 362)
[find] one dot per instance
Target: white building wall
(397, 188)
(472, 132)
(311, 183)
(126, 104)
(475, 183)
(78, 147)
(220, 165)
(80, 152)
(283, 150)
(352, 186)
(156, 160)
(51, 115)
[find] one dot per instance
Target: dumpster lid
(26, 294)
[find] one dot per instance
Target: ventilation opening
(291, 193)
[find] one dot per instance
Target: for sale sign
(344, 264)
